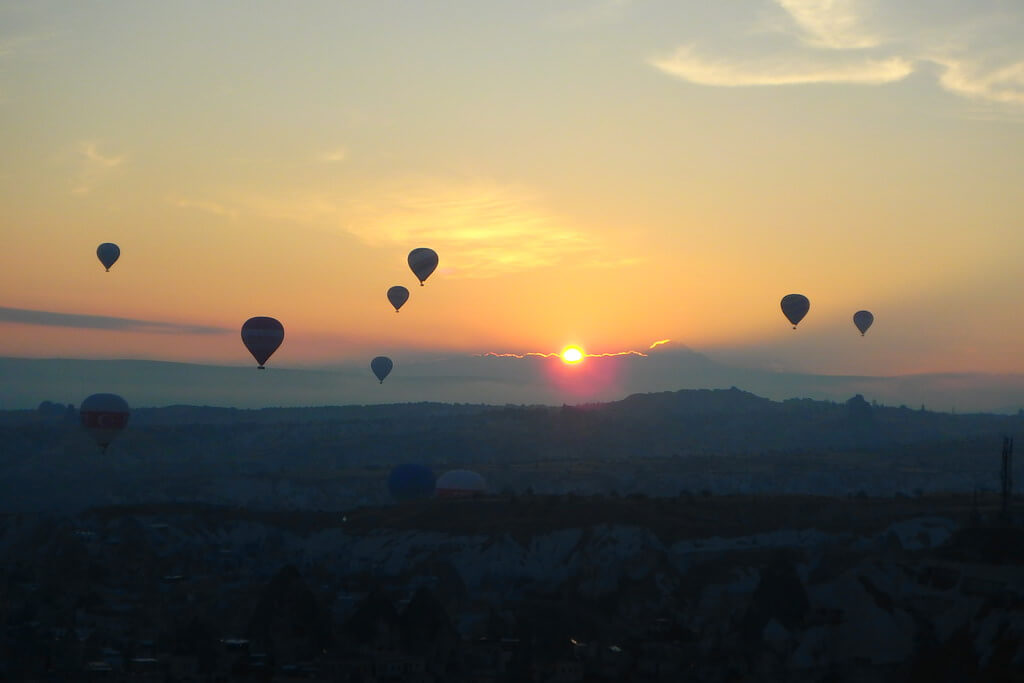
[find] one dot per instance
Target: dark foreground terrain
(331, 458)
(683, 536)
(519, 588)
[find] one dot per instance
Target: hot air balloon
(460, 484)
(398, 295)
(795, 307)
(381, 366)
(104, 416)
(107, 253)
(863, 320)
(423, 261)
(411, 482)
(262, 335)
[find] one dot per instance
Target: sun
(572, 355)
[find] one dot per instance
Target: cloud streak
(91, 151)
(484, 229)
(686, 64)
(333, 156)
(978, 47)
(206, 207)
(1003, 84)
(835, 24)
(558, 354)
(94, 166)
(24, 316)
(487, 229)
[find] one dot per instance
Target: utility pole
(1007, 477)
(975, 513)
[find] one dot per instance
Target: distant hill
(468, 379)
(721, 440)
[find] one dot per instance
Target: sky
(607, 173)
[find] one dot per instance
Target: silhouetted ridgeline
(461, 379)
(657, 444)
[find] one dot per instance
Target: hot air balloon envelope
(262, 335)
(104, 416)
(411, 482)
(422, 261)
(107, 253)
(863, 320)
(795, 307)
(398, 295)
(381, 366)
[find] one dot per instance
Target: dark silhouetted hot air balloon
(381, 366)
(398, 295)
(423, 261)
(863, 320)
(107, 253)
(795, 307)
(411, 482)
(104, 416)
(262, 335)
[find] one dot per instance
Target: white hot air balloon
(460, 484)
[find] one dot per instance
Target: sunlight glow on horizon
(572, 355)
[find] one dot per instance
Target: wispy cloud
(483, 228)
(978, 47)
(26, 316)
(206, 206)
(837, 24)
(1003, 83)
(333, 156)
(487, 229)
(94, 165)
(686, 64)
(91, 151)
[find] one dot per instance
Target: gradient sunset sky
(601, 172)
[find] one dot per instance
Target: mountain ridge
(475, 380)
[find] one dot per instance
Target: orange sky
(606, 174)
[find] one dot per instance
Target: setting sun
(572, 354)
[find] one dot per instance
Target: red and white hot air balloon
(104, 416)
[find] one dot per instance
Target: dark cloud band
(100, 322)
